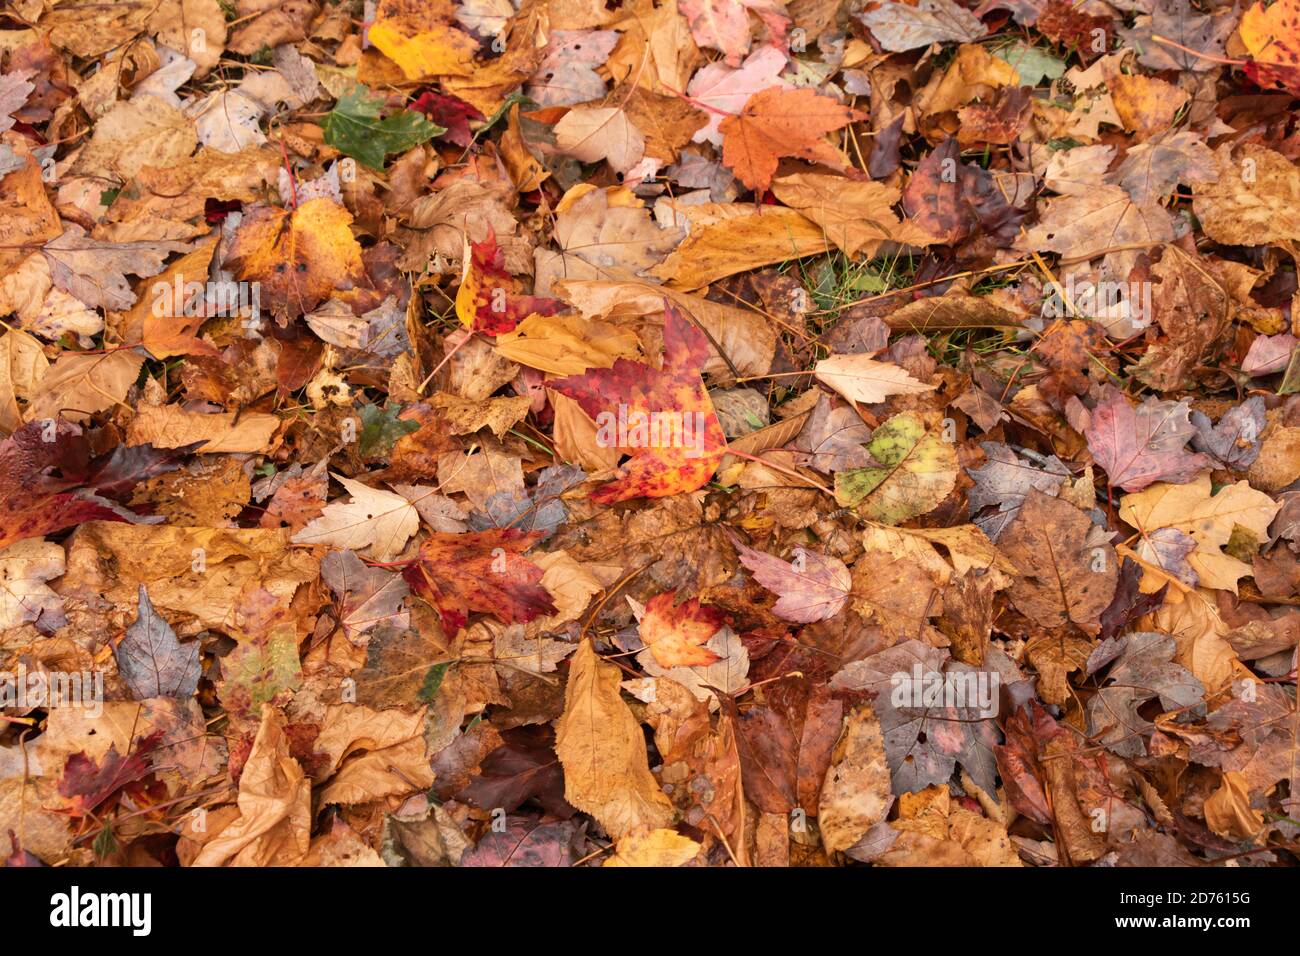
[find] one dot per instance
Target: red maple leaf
(450, 113)
(482, 571)
(662, 417)
(89, 784)
(490, 299)
(676, 635)
(35, 503)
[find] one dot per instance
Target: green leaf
(380, 429)
(105, 844)
(1291, 378)
(917, 471)
(1031, 63)
(354, 128)
(432, 681)
(259, 669)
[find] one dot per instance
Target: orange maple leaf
(776, 122)
(1272, 37)
(483, 571)
(661, 417)
(490, 299)
(676, 635)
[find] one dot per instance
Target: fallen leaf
(598, 741)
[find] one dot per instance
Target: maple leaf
(420, 38)
(662, 416)
(453, 114)
(1091, 223)
(595, 134)
(1234, 441)
(1138, 446)
(1142, 669)
(1005, 479)
(776, 123)
(489, 299)
(1194, 32)
(724, 24)
(374, 519)
(722, 92)
(88, 784)
(1059, 20)
(480, 571)
(354, 128)
(1129, 603)
(31, 503)
(676, 634)
(1205, 522)
(924, 739)
(1272, 37)
(813, 587)
(541, 510)
(950, 199)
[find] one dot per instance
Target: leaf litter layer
(722, 433)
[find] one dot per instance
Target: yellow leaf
(603, 753)
(653, 848)
(567, 344)
(1191, 509)
(302, 257)
(739, 240)
(419, 37)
